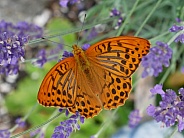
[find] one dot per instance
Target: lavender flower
(182, 69)
(158, 56)
(11, 50)
(4, 133)
(56, 50)
(68, 126)
(21, 29)
(42, 55)
(20, 122)
(85, 46)
(157, 90)
(115, 12)
(134, 118)
(33, 133)
(180, 38)
(67, 113)
(67, 54)
(41, 58)
(64, 3)
(171, 108)
(92, 34)
(178, 20)
(178, 28)
(12, 41)
(37, 132)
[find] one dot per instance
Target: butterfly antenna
(81, 28)
(54, 42)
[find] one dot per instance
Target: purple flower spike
(82, 119)
(68, 126)
(12, 41)
(41, 58)
(4, 134)
(21, 123)
(134, 118)
(67, 54)
(66, 112)
(92, 34)
(64, 3)
(115, 12)
(35, 132)
(150, 110)
(171, 108)
(85, 46)
(182, 69)
(157, 90)
(180, 39)
(158, 56)
(178, 28)
(178, 20)
(60, 110)
(181, 91)
(180, 126)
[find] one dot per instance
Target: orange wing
(59, 85)
(65, 86)
(107, 83)
(87, 102)
(119, 55)
(114, 60)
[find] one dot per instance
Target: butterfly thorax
(80, 58)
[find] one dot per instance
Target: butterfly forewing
(59, 86)
(119, 55)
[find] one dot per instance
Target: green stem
(73, 30)
(36, 127)
(159, 36)
(174, 37)
(174, 59)
(28, 114)
(174, 132)
(127, 18)
(149, 15)
(105, 124)
(165, 75)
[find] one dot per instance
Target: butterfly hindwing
(115, 91)
(87, 103)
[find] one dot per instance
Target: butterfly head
(80, 57)
(76, 50)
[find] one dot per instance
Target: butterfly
(97, 78)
